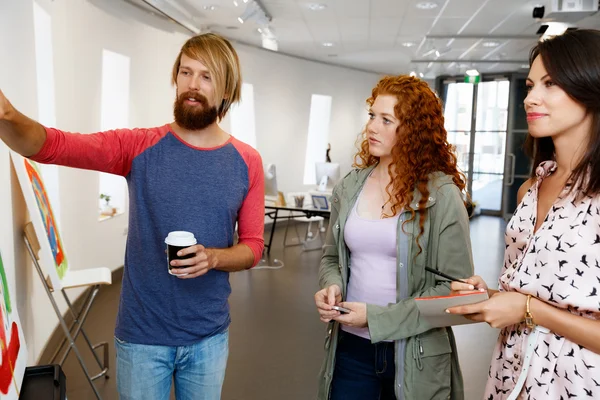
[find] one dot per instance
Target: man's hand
(324, 299)
(21, 134)
(5, 106)
(357, 317)
(203, 261)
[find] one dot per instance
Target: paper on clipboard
(433, 309)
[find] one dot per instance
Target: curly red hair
(421, 147)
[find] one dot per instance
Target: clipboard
(433, 309)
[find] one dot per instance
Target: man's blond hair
(221, 59)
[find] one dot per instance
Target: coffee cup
(176, 241)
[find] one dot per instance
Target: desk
(273, 213)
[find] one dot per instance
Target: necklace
(384, 195)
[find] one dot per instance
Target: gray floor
(276, 338)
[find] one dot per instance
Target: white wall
(283, 87)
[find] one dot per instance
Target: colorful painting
(41, 198)
(53, 259)
(13, 357)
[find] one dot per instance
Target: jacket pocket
(432, 372)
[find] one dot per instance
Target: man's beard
(194, 118)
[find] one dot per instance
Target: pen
(435, 271)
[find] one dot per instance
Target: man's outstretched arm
(20, 133)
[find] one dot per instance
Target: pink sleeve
(251, 219)
(110, 151)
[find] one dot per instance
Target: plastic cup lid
(180, 238)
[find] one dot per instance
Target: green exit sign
(472, 78)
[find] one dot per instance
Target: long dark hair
(572, 60)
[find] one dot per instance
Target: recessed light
(412, 73)
(524, 66)
(408, 44)
(241, 21)
(421, 75)
(490, 44)
(426, 5)
(235, 3)
(210, 8)
(316, 6)
(327, 44)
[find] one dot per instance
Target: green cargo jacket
(426, 360)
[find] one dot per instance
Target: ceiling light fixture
(421, 75)
(408, 44)
(554, 29)
(255, 10)
(426, 5)
(413, 74)
(490, 44)
(429, 52)
(269, 39)
(235, 3)
(316, 6)
(327, 44)
(210, 8)
(472, 72)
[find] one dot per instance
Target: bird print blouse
(559, 264)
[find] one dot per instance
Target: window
(318, 135)
(114, 114)
(243, 126)
(44, 63)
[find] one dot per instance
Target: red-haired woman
(400, 210)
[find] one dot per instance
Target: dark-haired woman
(402, 209)
(548, 305)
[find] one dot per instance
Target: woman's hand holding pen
(468, 285)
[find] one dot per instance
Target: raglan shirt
(173, 186)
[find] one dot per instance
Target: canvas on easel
(52, 254)
(13, 356)
(46, 250)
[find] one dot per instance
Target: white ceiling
(369, 34)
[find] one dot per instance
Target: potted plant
(107, 209)
(472, 208)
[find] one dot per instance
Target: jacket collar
(357, 178)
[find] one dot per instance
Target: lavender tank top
(372, 245)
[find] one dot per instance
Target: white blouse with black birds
(559, 264)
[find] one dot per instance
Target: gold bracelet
(528, 316)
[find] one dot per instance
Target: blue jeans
(145, 372)
(363, 371)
